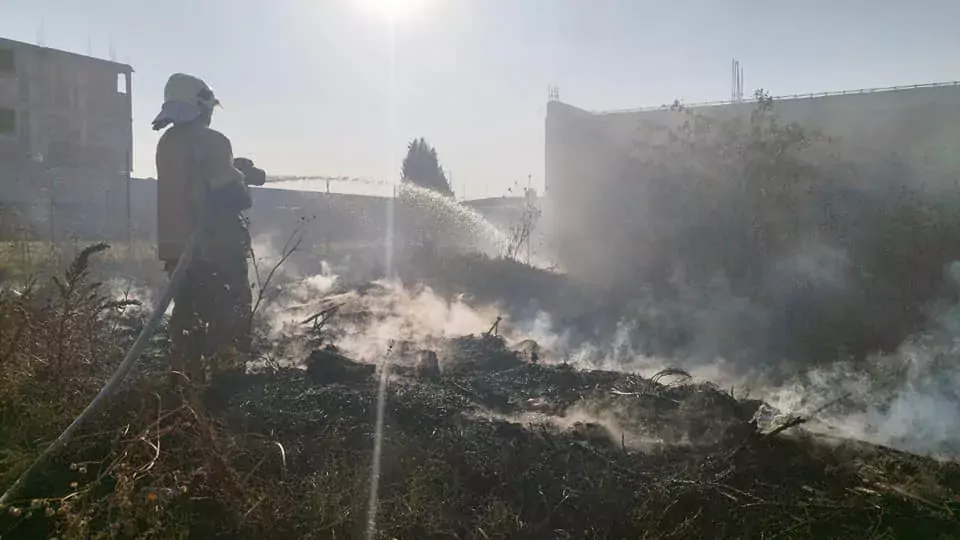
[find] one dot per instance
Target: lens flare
(394, 10)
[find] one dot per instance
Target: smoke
(715, 330)
(370, 319)
(374, 320)
(827, 244)
(909, 399)
(283, 295)
(749, 252)
(774, 257)
(610, 423)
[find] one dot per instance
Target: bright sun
(394, 9)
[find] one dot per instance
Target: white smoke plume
(909, 400)
(373, 320)
(614, 422)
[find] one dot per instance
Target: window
(8, 121)
(122, 83)
(6, 60)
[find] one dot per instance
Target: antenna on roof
(736, 88)
(113, 53)
(553, 93)
(739, 83)
(41, 34)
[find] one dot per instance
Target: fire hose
(133, 354)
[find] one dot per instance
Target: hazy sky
(308, 87)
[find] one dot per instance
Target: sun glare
(394, 10)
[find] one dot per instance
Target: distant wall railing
(789, 96)
(317, 178)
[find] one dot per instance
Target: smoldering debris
(428, 364)
(327, 365)
(882, 402)
(624, 449)
(386, 315)
(908, 400)
(409, 322)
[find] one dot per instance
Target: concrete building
(65, 139)
(588, 154)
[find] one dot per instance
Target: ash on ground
(502, 447)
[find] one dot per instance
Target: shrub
(59, 340)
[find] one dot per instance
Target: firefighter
(197, 175)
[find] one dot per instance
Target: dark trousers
(211, 315)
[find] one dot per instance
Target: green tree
(422, 167)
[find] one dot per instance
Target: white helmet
(185, 98)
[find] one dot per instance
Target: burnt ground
(458, 464)
(492, 448)
(517, 450)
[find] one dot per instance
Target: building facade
(65, 138)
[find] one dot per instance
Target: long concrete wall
(329, 217)
(326, 218)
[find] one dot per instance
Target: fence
(785, 97)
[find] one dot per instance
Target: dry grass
(285, 455)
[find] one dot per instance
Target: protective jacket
(194, 163)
